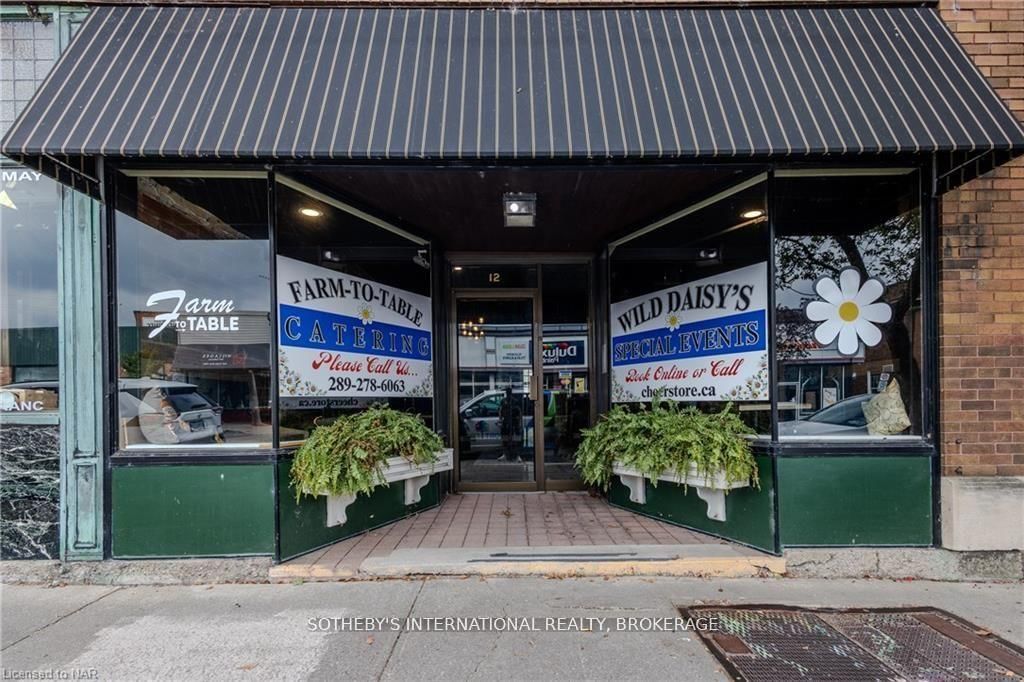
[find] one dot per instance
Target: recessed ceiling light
(750, 215)
(310, 212)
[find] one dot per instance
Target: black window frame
(200, 454)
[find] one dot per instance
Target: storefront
(505, 221)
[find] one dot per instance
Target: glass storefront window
(29, 226)
(848, 305)
(193, 312)
(688, 316)
(354, 314)
(566, 361)
(689, 308)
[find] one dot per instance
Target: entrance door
(520, 373)
(500, 424)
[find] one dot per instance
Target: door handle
(534, 380)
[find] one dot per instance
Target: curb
(903, 563)
(720, 561)
(878, 563)
(139, 572)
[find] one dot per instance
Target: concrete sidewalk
(262, 631)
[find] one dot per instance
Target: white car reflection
(844, 418)
(167, 413)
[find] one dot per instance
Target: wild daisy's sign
(700, 341)
(344, 336)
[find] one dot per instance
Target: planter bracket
(716, 502)
(413, 486)
(337, 506)
(637, 488)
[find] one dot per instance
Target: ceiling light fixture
(751, 214)
(311, 212)
(520, 209)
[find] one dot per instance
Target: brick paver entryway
(473, 520)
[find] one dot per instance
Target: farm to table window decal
(849, 310)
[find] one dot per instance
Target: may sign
(345, 336)
(703, 340)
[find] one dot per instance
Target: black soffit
(335, 84)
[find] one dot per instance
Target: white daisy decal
(850, 310)
(366, 314)
(673, 322)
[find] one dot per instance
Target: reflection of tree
(139, 357)
(889, 252)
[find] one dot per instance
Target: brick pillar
(981, 308)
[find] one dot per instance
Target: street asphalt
(263, 632)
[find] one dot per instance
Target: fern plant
(349, 455)
(667, 438)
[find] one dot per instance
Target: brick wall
(981, 310)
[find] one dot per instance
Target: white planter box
(711, 489)
(399, 469)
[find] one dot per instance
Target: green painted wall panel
(303, 524)
(748, 511)
(855, 501)
(192, 510)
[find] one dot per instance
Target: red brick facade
(981, 310)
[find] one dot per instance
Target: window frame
(241, 453)
(49, 416)
(929, 317)
(925, 444)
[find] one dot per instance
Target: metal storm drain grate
(786, 643)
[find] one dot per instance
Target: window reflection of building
(194, 312)
(823, 226)
(29, 215)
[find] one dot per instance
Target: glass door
(496, 384)
(565, 290)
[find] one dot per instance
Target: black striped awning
(221, 82)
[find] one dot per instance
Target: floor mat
(772, 642)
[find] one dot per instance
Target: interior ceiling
(578, 209)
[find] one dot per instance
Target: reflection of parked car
(844, 418)
(480, 418)
(162, 412)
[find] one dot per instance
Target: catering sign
(700, 341)
(344, 336)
